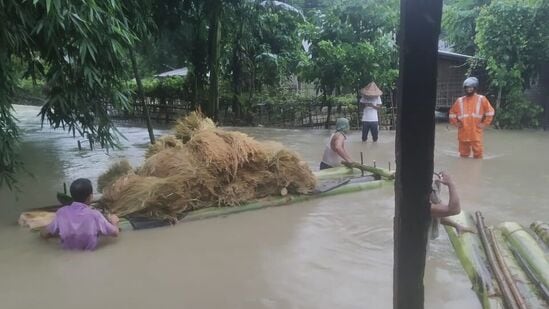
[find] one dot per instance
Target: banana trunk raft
(507, 264)
(203, 171)
(330, 182)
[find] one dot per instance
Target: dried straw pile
(164, 142)
(116, 171)
(187, 126)
(212, 167)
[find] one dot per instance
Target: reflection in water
(330, 253)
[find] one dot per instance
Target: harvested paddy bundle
(194, 122)
(169, 162)
(249, 183)
(164, 142)
(291, 172)
(149, 196)
(114, 172)
(224, 152)
(213, 168)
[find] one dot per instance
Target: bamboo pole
(342, 171)
(542, 230)
(503, 286)
(468, 249)
(371, 169)
(528, 252)
(527, 289)
(335, 172)
(492, 262)
(141, 95)
(519, 300)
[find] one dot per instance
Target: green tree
(513, 39)
(265, 47)
(459, 24)
(79, 47)
(352, 45)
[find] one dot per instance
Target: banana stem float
(528, 252)
(469, 251)
(505, 270)
(542, 230)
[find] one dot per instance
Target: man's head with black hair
(81, 190)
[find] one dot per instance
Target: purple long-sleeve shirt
(79, 226)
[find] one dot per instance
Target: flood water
(335, 252)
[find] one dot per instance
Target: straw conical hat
(371, 90)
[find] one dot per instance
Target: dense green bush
(512, 38)
(518, 112)
(29, 87)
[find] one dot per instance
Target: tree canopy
(511, 40)
(78, 48)
(89, 55)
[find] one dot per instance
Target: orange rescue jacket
(468, 113)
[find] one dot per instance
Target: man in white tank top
(335, 152)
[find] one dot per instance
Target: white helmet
(471, 82)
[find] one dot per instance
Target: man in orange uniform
(471, 114)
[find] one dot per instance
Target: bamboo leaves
(79, 47)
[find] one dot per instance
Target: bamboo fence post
(505, 270)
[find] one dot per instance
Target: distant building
(452, 70)
(176, 72)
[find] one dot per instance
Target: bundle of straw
(164, 142)
(114, 172)
(212, 168)
(194, 122)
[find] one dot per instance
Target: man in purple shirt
(78, 225)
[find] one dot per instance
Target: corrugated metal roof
(176, 72)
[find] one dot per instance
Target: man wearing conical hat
(371, 103)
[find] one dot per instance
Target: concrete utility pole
(415, 138)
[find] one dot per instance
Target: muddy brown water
(331, 253)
